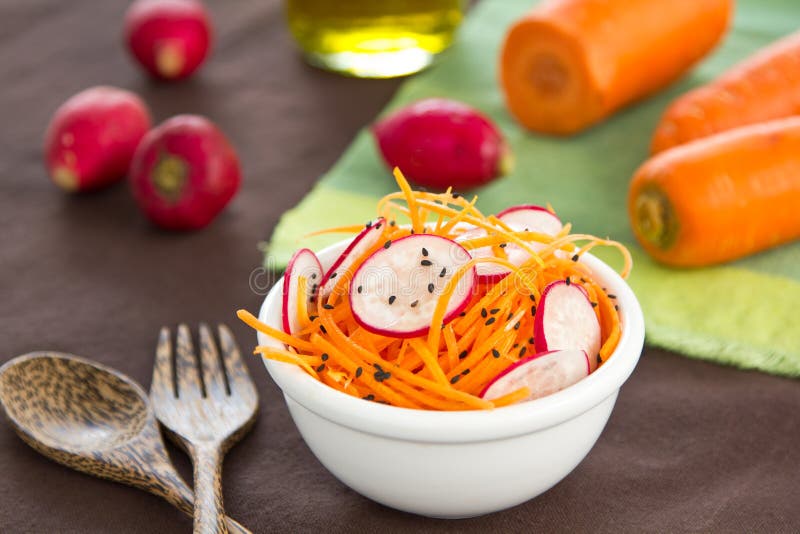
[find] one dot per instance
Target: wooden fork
(206, 405)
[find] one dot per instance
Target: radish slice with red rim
(531, 218)
(303, 265)
(396, 290)
(487, 272)
(519, 219)
(565, 319)
(361, 243)
(544, 374)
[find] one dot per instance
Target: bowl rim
(432, 426)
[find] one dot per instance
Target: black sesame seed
(444, 272)
(359, 370)
(312, 318)
(425, 252)
(599, 360)
(369, 224)
(412, 231)
(510, 315)
(515, 345)
(495, 353)
(567, 280)
(391, 299)
(532, 297)
(334, 275)
(494, 310)
(392, 223)
(321, 368)
(465, 372)
(503, 245)
(463, 354)
(517, 325)
(462, 314)
(387, 244)
(616, 307)
(490, 321)
(324, 356)
(426, 263)
(484, 313)
(377, 366)
(431, 288)
(583, 279)
(533, 310)
(313, 276)
(378, 226)
(360, 289)
(575, 257)
(611, 296)
(322, 329)
(522, 351)
(531, 341)
(380, 376)
(414, 304)
(369, 397)
(327, 306)
(455, 379)
(594, 304)
(311, 298)
(455, 195)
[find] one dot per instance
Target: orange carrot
(763, 87)
(720, 198)
(570, 63)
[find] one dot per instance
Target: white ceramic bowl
(457, 464)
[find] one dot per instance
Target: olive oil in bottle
(373, 38)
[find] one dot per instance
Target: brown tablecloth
(690, 446)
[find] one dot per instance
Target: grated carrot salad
(446, 368)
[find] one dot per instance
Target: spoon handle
(208, 508)
(143, 463)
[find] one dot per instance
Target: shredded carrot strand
(513, 397)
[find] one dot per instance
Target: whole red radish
(91, 138)
(184, 173)
(440, 143)
(169, 38)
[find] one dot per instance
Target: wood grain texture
(92, 419)
(207, 402)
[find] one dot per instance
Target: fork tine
(187, 375)
(213, 374)
(162, 383)
(237, 370)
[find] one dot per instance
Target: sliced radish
(565, 320)
(360, 244)
(531, 218)
(487, 272)
(543, 373)
(304, 264)
(395, 291)
(519, 219)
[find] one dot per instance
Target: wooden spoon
(93, 419)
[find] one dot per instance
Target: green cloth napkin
(744, 313)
